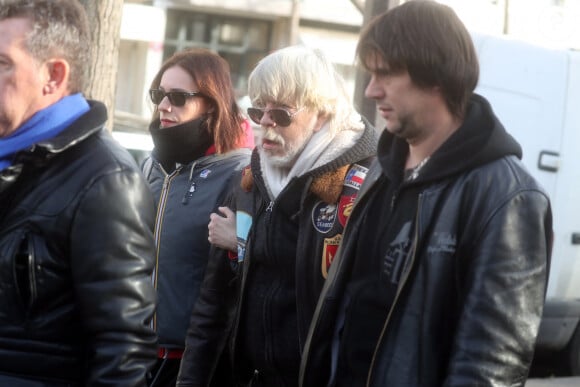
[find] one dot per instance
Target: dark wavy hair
(428, 40)
(60, 28)
(211, 73)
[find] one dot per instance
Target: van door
(526, 86)
(535, 92)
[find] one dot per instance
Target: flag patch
(355, 176)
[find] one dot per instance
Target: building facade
(241, 31)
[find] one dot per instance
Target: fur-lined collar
(327, 186)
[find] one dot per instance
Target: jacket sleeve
(210, 322)
(503, 293)
(212, 315)
(112, 258)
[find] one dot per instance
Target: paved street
(554, 382)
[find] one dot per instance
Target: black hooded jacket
(469, 301)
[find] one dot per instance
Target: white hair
(299, 76)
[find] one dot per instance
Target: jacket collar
(39, 154)
(91, 122)
(326, 180)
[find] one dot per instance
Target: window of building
(242, 42)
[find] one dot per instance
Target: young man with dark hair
(441, 275)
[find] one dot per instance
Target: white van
(535, 92)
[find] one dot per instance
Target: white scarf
(323, 147)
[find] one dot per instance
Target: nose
(373, 91)
(164, 104)
(266, 120)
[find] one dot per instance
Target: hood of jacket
(479, 140)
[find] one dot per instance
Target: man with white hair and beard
(288, 210)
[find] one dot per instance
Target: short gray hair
(59, 28)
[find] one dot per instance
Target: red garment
(249, 134)
(246, 142)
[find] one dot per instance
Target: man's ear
(58, 71)
(321, 120)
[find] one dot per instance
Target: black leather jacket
(76, 256)
(470, 298)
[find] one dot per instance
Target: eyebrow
(382, 70)
(276, 104)
(175, 89)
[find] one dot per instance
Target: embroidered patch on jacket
(204, 174)
(355, 176)
(243, 224)
(323, 217)
(345, 205)
(328, 252)
(443, 243)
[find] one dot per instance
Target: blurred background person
(200, 141)
(76, 215)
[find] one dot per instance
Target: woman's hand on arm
(222, 229)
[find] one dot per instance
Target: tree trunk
(365, 106)
(105, 23)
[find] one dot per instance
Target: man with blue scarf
(76, 217)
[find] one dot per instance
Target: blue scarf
(43, 125)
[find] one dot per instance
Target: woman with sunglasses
(201, 140)
(290, 208)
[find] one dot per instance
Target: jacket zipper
(404, 277)
(157, 231)
(26, 260)
(189, 193)
(394, 199)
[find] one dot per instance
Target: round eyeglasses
(176, 98)
(281, 117)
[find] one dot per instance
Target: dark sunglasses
(176, 98)
(281, 117)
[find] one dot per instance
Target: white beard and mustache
(307, 152)
(291, 150)
(299, 158)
